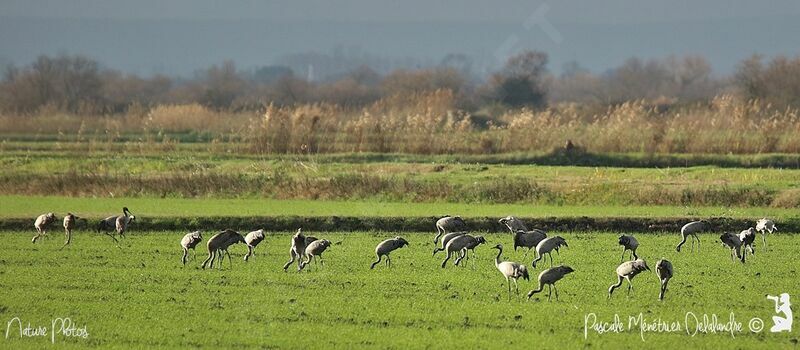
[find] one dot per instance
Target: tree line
(80, 85)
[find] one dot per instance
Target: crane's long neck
(497, 259)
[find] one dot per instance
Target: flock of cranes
(452, 237)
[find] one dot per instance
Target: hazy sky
(585, 11)
(181, 36)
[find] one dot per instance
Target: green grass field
(386, 179)
(140, 296)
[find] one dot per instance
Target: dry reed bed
(429, 124)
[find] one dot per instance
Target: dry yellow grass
(429, 124)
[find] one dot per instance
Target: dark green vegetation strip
(46, 146)
(411, 224)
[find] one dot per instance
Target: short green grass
(140, 296)
(32, 206)
(443, 168)
(189, 175)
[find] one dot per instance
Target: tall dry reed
(428, 123)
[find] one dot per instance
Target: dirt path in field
(413, 224)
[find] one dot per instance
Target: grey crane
(733, 242)
(42, 223)
(470, 248)
(528, 239)
(628, 242)
(190, 241)
(386, 247)
(763, 226)
(299, 243)
(70, 221)
(550, 277)
(627, 271)
(110, 223)
(691, 229)
(315, 249)
(460, 246)
(122, 223)
(510, 270)
(546, 246)
(448, 224)
(252, 240)
(748, 237)
(513, 224)
(446, 239)
(665, 273)
(218, 246)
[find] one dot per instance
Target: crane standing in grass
(550, 277)
(122, 224)
(510, 270)
(733, 242)
(691, 229)
(513, 224)
(446, 239)
(110, 223)
(218, 246)
(41, 224)
(628, 243)
(315, 249)
(627, 271)
(764, 226)
(252, 240)
(386, 247)
(448, 224)
(529, 239)
(299, 243)
(546, 246)
(70, 221)
(460, 245)
(664, 272)
(748, 237)
(470, 248)
(190, 241)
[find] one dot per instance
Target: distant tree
(749, 77)
(460, 62)
(423, 80)
(521, 82)
(120, 91)
(221, 86)
(69, 83)
(571, 69)
(692, 76)
(777, 82)
(365, 75)
(271, 74)
(289, 90)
